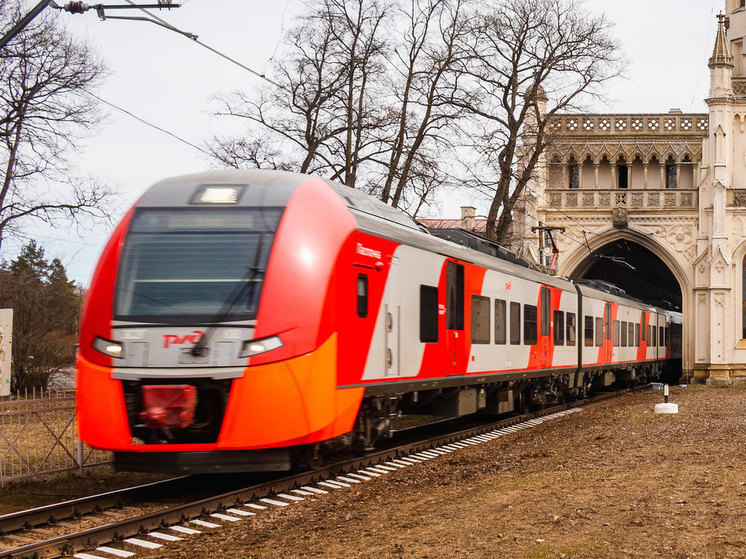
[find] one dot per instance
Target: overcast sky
(169, 81)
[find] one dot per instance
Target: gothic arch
(575, 262)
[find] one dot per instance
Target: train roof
(264, 187)
(270, 188)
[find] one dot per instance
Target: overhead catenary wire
(194, 38)
(147, 123)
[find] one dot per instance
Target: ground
(614, 480)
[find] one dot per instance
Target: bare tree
(324, 117)
(524, 53)
(426, 69)
(44, 108)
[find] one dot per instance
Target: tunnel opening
(636, 270)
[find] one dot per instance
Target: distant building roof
(468, 222)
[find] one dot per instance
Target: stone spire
(721, 65)
(720, 55)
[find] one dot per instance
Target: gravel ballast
(614, 480)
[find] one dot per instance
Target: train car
(253, 320)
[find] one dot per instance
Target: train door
(392, 320)
(545, 331)
(608, 346)
(454, 316)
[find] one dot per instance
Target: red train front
(238, 319)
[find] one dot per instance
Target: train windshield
(194, 263)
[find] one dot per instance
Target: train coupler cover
(168, 406)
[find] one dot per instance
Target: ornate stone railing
(690, 124)
(626, 198)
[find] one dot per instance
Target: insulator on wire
(75, 7)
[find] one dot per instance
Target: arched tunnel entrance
(640, 273)
(634, 269)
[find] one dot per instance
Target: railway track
(165, 524)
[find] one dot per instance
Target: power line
(145, 122)
(194, 38)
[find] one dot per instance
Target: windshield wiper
(248, 281)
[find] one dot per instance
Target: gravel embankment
(614, 480)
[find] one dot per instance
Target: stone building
(657, 204)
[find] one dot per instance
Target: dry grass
(38, 436)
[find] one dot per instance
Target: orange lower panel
(289, 403)
(280, 404)
(102, 417)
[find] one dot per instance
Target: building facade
(671, 185)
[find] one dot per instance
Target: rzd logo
(173, 339)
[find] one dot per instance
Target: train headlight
(255, 347)
(108, 347)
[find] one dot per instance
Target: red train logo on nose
(173, 339)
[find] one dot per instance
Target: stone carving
(603, 199)
(619, 217)
(588, 199)
(669, 199)
(680, 238)
(702, 298)
(637, 199)
(739, 197)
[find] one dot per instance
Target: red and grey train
(251, 320)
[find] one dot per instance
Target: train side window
(623, 334)
(652, 336)
(454, 296)
(559, 328)
(428, 314)
(546, 304)
(599, 332)
(662, 336)
(631, 338)
(362, 295)
(529, 324)
(643, 329)
(589, 331)
(637, 335)
(616, 333)
(500, 322)
(480, 319)
(571, 333)
(515, 323)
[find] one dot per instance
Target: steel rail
(117, 531)
(52, 513)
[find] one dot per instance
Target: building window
(428, 314)
(670, 175)
(621, 175)
(574, 173)
(480, 319)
